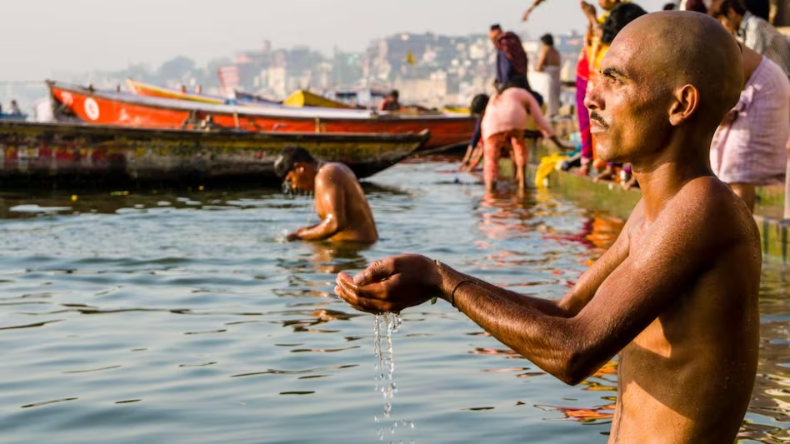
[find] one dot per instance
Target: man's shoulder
(707, 193)
(335, 172)
(514, 92)
(509, 35)
(706, 202)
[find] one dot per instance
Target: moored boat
(144, 89)
(110, 108)
(147, 90)
(77, 152)
(302, 98)
(15, 117)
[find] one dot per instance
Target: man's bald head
(682, 47)
(668, 79)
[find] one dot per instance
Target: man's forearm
(538, 329)
(468, 156)
(535, 4)
(477, 156)
(321, 231)
(451, 278)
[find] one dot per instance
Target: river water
(182, 317)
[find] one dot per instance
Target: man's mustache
(595, 116)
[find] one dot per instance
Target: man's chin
(607, 155)
(603, 153)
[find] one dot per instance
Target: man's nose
(593, 100)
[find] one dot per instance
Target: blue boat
(13, 117)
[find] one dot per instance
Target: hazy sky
(42, 37)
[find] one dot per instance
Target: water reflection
(508, 216)
(769, 413)
(331, 259)
(504, 216)
(39, 202)
(181, 315)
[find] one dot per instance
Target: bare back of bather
(335, 182)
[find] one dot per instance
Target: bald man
(676, 295)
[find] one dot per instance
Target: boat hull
(89, 152)
(146, 90)
(145, 112)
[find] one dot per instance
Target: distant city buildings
(428, 69)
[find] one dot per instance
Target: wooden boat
(299, 99)
(302, 98)
(79, 152)
(144, 89)
(247, 97)
(15, 117)
(110, 108)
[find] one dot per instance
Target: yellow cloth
(547, 165)
(596, 51)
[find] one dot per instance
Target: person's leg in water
(520, 157)
(491, 154)
(507, 152)
(747, 192)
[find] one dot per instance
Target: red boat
(111, 108)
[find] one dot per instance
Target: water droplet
(384, 326)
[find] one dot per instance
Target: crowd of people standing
(750, 148)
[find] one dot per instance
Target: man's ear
(684, 104)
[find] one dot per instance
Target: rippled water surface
(182, 316)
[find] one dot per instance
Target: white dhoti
(555, 88)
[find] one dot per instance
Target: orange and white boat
(112, 108)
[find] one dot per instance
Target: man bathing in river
(339, 199)
(676, 295)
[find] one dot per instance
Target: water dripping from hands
(389, 323)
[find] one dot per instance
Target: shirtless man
(550, 63)
(339, 200)
(676, 295)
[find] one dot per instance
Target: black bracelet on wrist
(457, 286)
